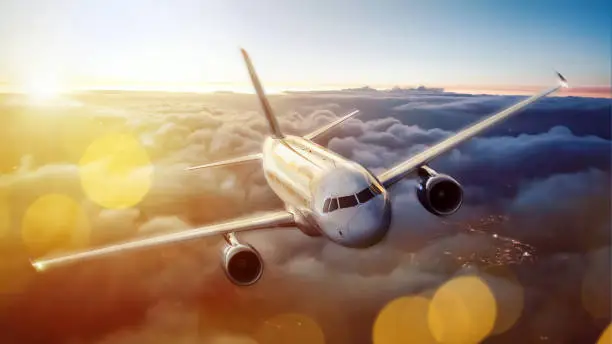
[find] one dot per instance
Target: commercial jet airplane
(324, 193)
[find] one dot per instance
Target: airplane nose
(370, 223)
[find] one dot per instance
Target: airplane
(324, 193)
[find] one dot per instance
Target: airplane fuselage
(328, 194)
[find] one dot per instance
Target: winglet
(267, 109)
(562, 80)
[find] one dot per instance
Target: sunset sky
(193, 45)
(81, 170)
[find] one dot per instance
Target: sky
(188, 44)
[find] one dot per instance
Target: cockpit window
(349, 201)
(365, 195)
(333, 204)
(326, 205)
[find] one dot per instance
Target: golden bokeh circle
(54, 221)
(403, 320)
(290, 328)
(462, 311)
(606, 336)
(115, 171)
(509, 296)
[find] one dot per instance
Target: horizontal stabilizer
(235, 161)
(322, 130)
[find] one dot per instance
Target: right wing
(401, 170)
(234, 161)
(254, 222)
(322, 130)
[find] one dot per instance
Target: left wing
(401, 170)
(322, 130)
(254, 222)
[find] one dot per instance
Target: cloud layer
(537, 204)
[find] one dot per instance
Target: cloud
(545, 220)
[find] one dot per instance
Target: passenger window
(326, 205)
(347, 201)
(365, 195)
(333, 205)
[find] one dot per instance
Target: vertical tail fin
(276, 132)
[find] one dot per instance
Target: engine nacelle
(440, 194)
(242, 264)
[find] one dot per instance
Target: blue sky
(307, 44)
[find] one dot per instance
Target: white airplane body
(332, 196)
(324, 194)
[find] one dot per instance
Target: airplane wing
(234, 161)
(320, 131)
(254, 222)
(401, 170)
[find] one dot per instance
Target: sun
(42, 90)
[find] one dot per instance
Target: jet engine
(242, 263)
(440, 194)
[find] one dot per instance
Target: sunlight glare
(41, 90)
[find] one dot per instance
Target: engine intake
(440, 194)
(242, 263)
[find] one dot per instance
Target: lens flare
(462, 311)
(54, 221)
(116, 171)
(403, 320)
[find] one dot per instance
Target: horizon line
(578, 91)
